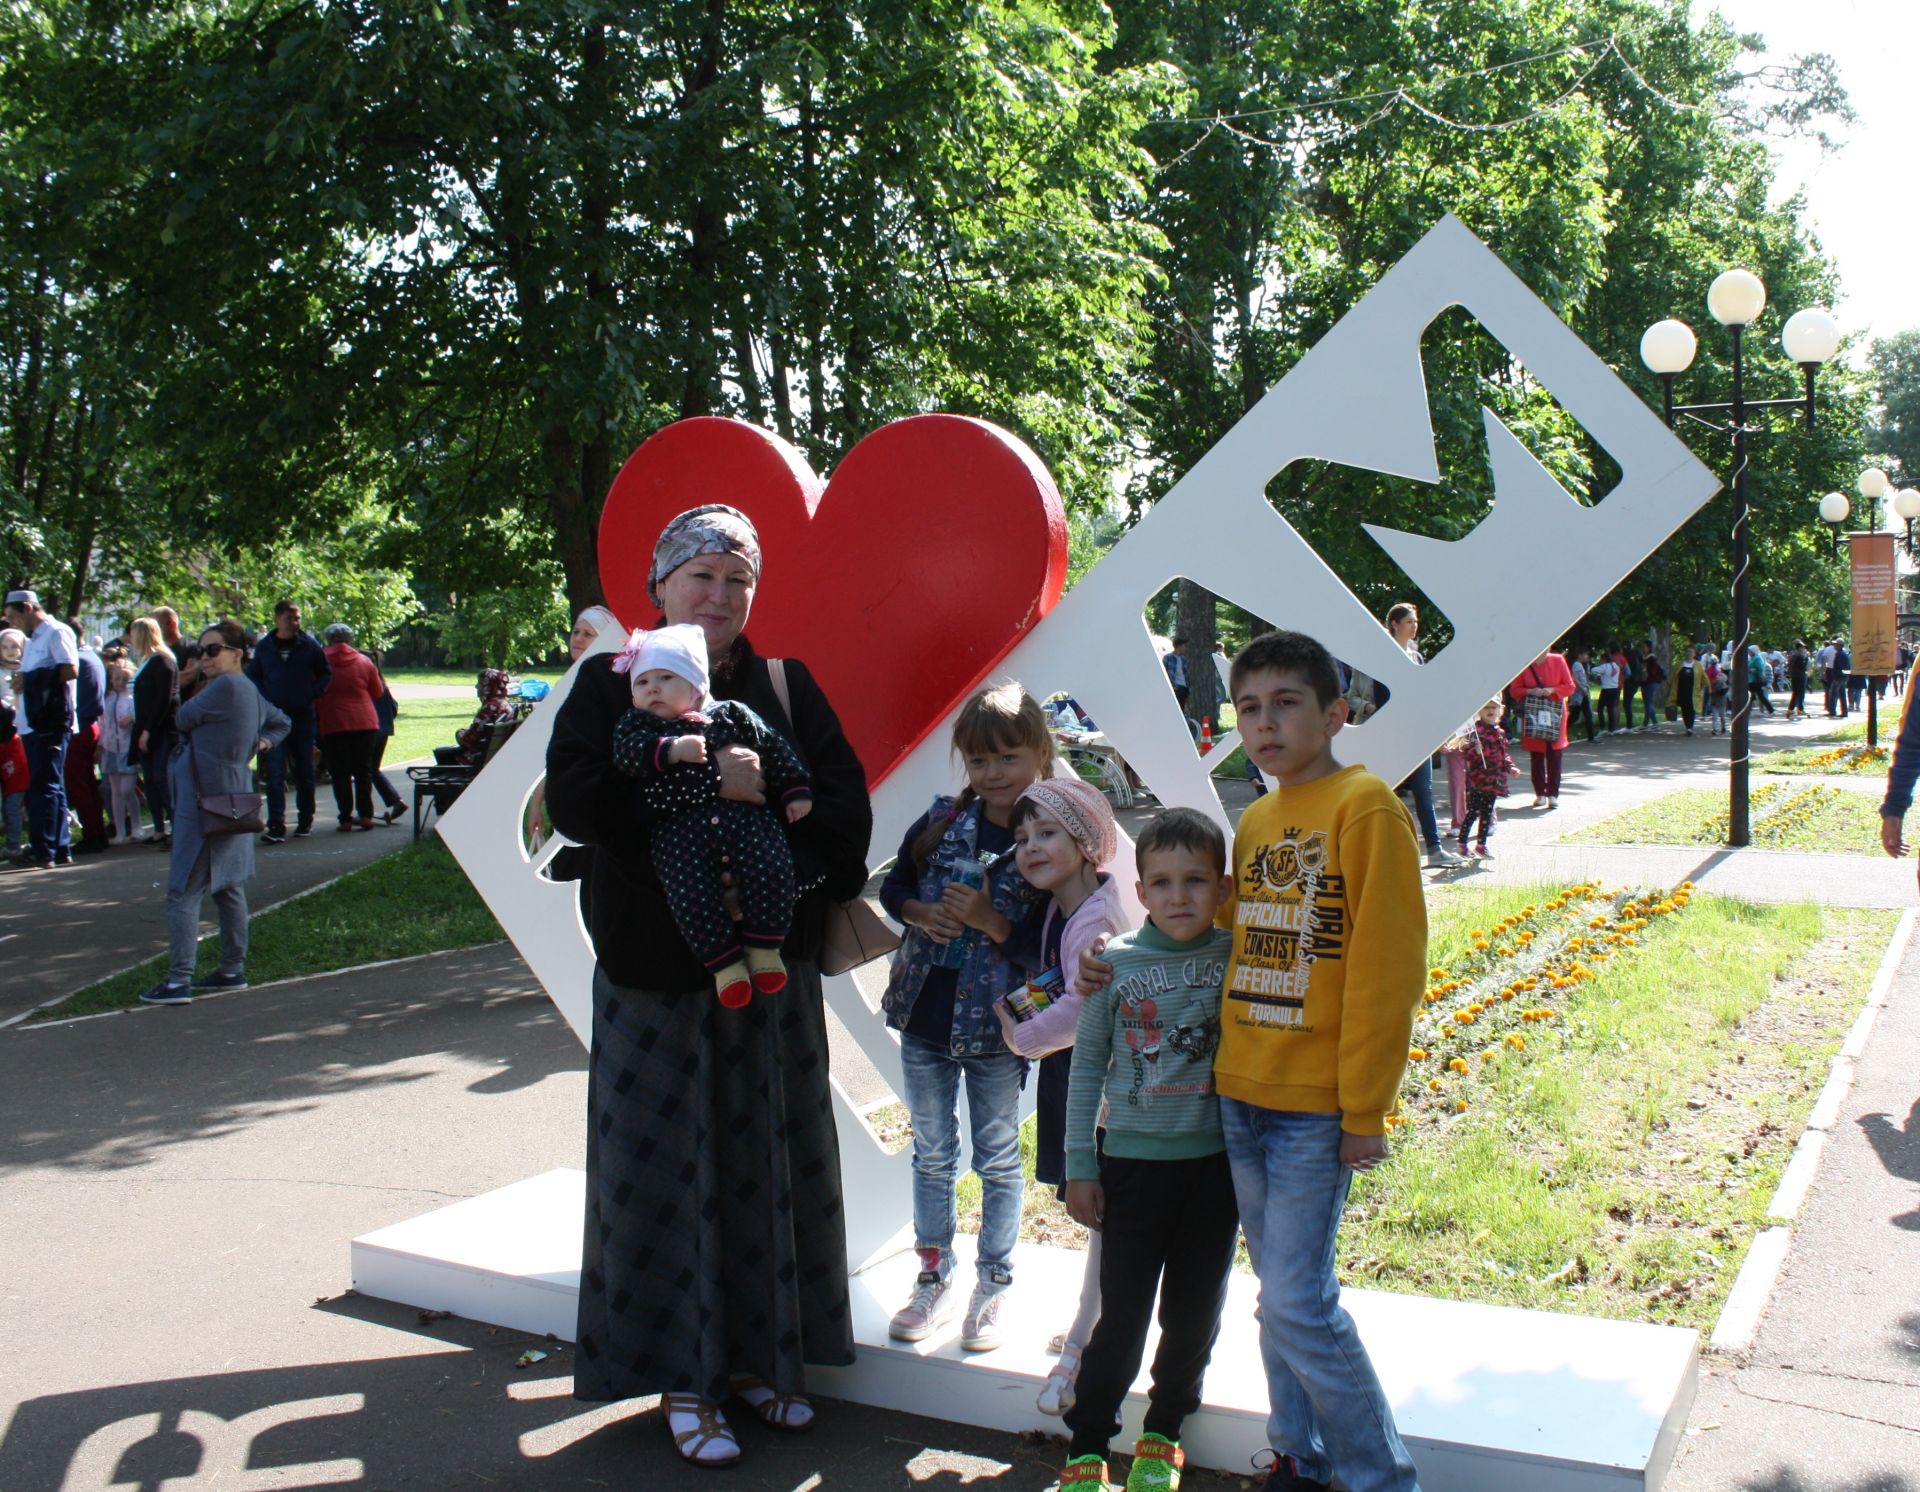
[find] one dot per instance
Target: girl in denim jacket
(956, 890)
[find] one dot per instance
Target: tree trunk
(1193, 619)
(777, 378)
(754, 404)
(707, 229)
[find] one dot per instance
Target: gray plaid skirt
(715, 1240)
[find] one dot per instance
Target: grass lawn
(1614, 1156)
(423, 724)
(1834, 820)
(1849, 758)
(416, 900)
(1621, 1161)
(462, 678)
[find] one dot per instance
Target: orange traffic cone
(1206, 735)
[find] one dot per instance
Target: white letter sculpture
(1357, 398)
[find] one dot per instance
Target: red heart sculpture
(940, 541)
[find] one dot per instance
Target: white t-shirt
(1607, 674)
(48, 646)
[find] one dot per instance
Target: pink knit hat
(1082, 810)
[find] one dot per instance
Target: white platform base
(1489, 1399)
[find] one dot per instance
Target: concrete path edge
(1739, 1321)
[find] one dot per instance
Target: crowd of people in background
(91, 730)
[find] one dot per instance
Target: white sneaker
(1539, 803)
(1552, 803)
(980, 1332)
(1441, 855)
(931, 1306)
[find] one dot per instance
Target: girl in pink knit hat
(1064, 836)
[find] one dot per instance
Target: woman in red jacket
(349, 726)
(1546, 679)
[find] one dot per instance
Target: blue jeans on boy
(1327, 1409)
(932, 1080)
(296, 748)
(15, 808)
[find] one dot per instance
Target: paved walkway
(61, 930)
(1831, 1399)
(1615, 773)
(177, 1192)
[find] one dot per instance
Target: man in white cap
(49, 666)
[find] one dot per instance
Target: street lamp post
(1876, 487)
(1735, 300)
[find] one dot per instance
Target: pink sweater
(1105, 911)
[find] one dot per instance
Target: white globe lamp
(1906, 504)
(1667, 347)
(1736, 298)
(1834, 508)
(1810, 336)
(1873, 483)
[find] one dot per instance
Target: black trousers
(1481, 809)
(349, 755)
(1579, 708)
(692, 850)
(1685, 699)
(1170, 1226)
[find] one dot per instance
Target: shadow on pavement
(143, 1081)
(457, 1413)
(1792, 1481)
(1899, 1150)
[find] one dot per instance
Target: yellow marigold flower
(1464, 1017)
(1434, 1085)
(1507, 994)
(1458, 1064)
(1459, 1106)
(1516, 1041)
(1415, 1054)
(1436, 973)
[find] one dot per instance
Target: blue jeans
(1421, 786)
(297, 747)
(47, 831)
(1327, 1410)
(932, 1080)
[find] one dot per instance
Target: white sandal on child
(1057, 1394)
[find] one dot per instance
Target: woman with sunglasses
(220, 730)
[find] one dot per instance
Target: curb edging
(1739, 1320)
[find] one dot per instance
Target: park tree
(1610, 153)
(473, 253)
(1895, 364)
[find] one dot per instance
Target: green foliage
(1896, 435)
(506, 626)
(271, 274)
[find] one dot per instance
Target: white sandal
(1057, 1394)
(710, 1428)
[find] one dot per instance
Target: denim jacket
(985, 975)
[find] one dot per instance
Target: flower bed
(1602, 1093)
(1833, 761)
(1785, 816)
(1516, 973)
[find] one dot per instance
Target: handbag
(228, 813)
(855, 933)
(1540, 719)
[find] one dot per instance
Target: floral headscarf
(713, 529)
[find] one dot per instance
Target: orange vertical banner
(1876, 626)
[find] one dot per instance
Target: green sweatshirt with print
(1145, 1043)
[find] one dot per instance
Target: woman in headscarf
(568, 864)
(715, 1261)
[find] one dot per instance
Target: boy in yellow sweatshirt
(1329, 959)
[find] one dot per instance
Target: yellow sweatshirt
(1329, 952)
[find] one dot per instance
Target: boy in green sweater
(1160, 1191)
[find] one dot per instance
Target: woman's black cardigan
(155, 691)
(593, 803)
